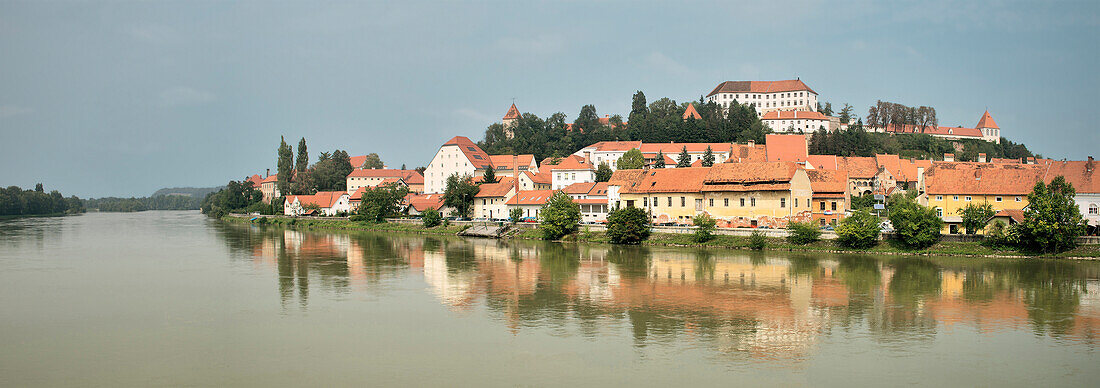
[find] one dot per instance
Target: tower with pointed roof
(990, 131)
(509, 120)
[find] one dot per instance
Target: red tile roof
(790, 85)
(498, 189)
(987, 121)
(981, 178)
(504, 162)
(531, 197)
(422, 202)
(858, 167)
(1081, 174)
(744, 153)
(828, 181)
(615, 145)
(672, 180)
(626, 178)
(578, 188)
(513, 113)
(323, 199)
(691, 112)
(675, 148)
(271, 178)
(541, 178)
(357, 161)
(409, 176)
(787, 148)
(740, 173)
(793, 115)
(943, 131)
(827, 162)
(477, 157)
(1015, 214)
(255, 180)
(571, 162)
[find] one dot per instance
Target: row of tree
(159, 202)
(329, 173)
(15, 201)
(855, 141)
(236, 197)
(884, 114)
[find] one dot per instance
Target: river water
(173, 298)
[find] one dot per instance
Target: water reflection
(751, 305)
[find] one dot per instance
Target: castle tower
(990, 131)
(509, 120)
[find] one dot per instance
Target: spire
(513, 113)
(691, 112)
(987, 121)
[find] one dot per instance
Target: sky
(123, 98)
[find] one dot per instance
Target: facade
(830, 197)
(535, 181)
(591, 198)
(670, 195)
(1086, 183)
(457, 156)
(490, 202)
(607, 151)
(530, 201)
(373, 177)
(269, 187)
(950, 186)
(769, 194)
(765, 96)
(798, 121)
(329, 203)
(572, 169)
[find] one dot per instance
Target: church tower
(990, 131)
(509, 121)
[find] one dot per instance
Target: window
(1017, 199)
(654, 201)
(742, 202)
(1094, 210)
(796, 202)
(822, 205)
(782, 202)
(752, 201)
(727, 202)
(711, 202)
(967, 198)
(939, 212)
(669, 201)
(955, 198)
(645, 202)
(939, 197)
(834, 205)
(683, 201)
(999, 199)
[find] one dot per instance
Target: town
(752, 184)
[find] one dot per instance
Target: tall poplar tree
(286, 165)
(302, 163)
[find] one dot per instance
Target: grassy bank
(16, 216)
(962, 249)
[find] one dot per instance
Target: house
(535, 181)
(255, 180)
(787, 148)
(610, 151)
(458, 156)
(696, 151)
(491, 199)
(862, 171)
(670, 195)
(620, 180)
(1086, 184)
(607, 151)
(570, 170)
(592, 199)
(373, 177)
(767, 194)
(798, 121)
(950, 186)
(418, 203)
(356, 197)
(830, 197)
(328, 203)
(765, 96)
(530, 202)
(269, 187)
(506, 165)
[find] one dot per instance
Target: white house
(1086, 183)
(607, 151)
(530, 201)
(798, 121)
(491, 199)
(591, 198)
(329, 203)
(572, 169)
(457, 156)
(374, 177)
(765, 96)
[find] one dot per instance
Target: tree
(603, 172)
(515, 214)
(285, 166)
(302, 163)
(846, 114)
(234, 197)
(826, 108)
(431, 218)
(705, 231)
(627, 225)
(917, 226)
(975, 216)
(860, 230)
(708, 157)
(1052, 221)
(802, 233)
(631, 160)
(660, 162)
(490, 175)
(684, 160)
(587, 120)
(38, 188)
(403, 166)
(459, 194)
(372, 161)
(382, 201)
(559, 217)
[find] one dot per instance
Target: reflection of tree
(631, 261)
(460, 256)
(804, 265)
(705, 265)
(977, 289)
(1052, 292)
(915, 279)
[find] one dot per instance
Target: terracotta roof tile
(1081, 174)
(986, 121)
(744, 173)
(323, 199)
(981, 178)
(787, 148)
(422, 202)
(827, 162)
(477, 157)
(504, 162)
(791, 85)
(571, 162)
(858, 167)
(541, 178)
(691, 112)
(513, 113)
(676, 148)
(828, 181)
(672, 180)
(531, 197)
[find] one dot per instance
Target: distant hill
(194, 192)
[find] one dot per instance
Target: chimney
(949, 157)
(981, 158)
(269, 171)
(515, 173)
(751, 143)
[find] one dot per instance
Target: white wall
(448, 160)
(561, 178)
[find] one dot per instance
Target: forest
(15, 201)
(132, 204)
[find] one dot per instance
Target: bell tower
(990, 131)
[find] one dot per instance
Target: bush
(560, 217)
(802, 233)
(860, 230)
(705, 232)
(431, 218)
(1000, 236)
(757, 241)
(515, 215)
(916, 226)
(360, 218)
(629, 225)
(382, 201)
(1052, 221)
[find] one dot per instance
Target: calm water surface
(172, 298)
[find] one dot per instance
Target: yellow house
(671, 195)
(950, 186)
(758, 194)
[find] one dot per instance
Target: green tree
(1052, 221)
(631, 160)
(459, 194)
(627, 225)
(757, 241)
(603, 172)
(916, 226)
(490, 175)
(235, 197)
(302, 163)
(559, 217)
(587, 120)
(860, 230)
(285, 166)
(684, 160)
(431, 218)
(708, 157)
(976, 216)
(515, 214)
(660, 162)
(802, 233)
(382, 201)
(372, 161)
(846, 114)
(705, 228)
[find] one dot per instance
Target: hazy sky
(115, 98)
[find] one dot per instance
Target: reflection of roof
(790, 85)
(531, 197)
(787, 148)
(477, 157)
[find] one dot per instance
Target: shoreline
(886, 247)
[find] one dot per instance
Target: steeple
(512, 114)
(509, 121)
(987, 121)
(990, 131)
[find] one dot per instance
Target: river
(173, 298)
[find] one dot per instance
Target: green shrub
(560, 217)
(757, 241)
(1052, 220)
(629, 225)
(705, 231)
(802, 233)
(261, 221)
(1000, 236)
(360, 218)
(431, 218)
(916, 226)
(860, 230)
(515, 215)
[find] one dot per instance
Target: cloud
(543, 45)
(13, 110)
(474, 115)
(182, 95)
(663, 62)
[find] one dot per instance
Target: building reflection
(742, 304)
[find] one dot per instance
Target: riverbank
(18, 216)
(943, 248)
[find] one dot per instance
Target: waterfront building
(458, 156)
(329, 203)
(787, 148)
(530, 202)
(360, 178)
(830, 195)
(768, 194)
(569, 170)
(950, 186)
(592, 199)
(765, 96)
(269, 187)
(491, 199)
(419, 203)
(670, 195)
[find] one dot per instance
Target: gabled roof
(541, 178)
(498, 189)
(1081, 174)
(987, 121)
(271, 178)
(758, 172)
(826, 162)
(787, 148)
(676, 148)
(578, 188)
(858, 167)
(1015, 214)
(672, 180)
(409, 176)
(531, 197)
(571, 162)
(255, 180)
(323, 199)
(504, 162)
(740, 153)
(422, 202)
(690, 112)
(513, 113)
(892, 164)
(477, 157)
(625, 178)
(357, 161)
(790, 85)
(794, 115)
(828, 181)
(981, 178)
